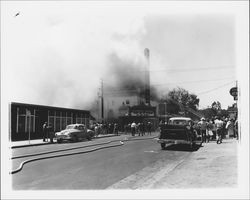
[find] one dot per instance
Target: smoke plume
(127, 76)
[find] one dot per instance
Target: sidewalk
(37, 142)
(212, 166)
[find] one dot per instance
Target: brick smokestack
(147, 77)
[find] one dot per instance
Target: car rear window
(178, 122)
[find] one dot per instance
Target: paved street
(94, 170)
(134, 163)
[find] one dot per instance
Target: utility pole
(147, 77)
(165, 111)
(236, 100)
(98, 105)
(102, 102)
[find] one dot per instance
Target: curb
(46, 143)
(30, 145)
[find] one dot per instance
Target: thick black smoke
(127, 76)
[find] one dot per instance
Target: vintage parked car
(74, 133)
(178, 130)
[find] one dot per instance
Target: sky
(56, 53)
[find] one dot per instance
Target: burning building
(130, 98)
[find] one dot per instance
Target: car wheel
(192, 146)
(74, 139)
(89, 137)
(59, 141)
(163, 145)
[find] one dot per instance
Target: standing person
(96, 129)
(224, 130)
(219, 129)
(139, 128)
(116, 129)
(104, 128)
(203, 128)
(236, 129)
(109, 129)
(101, 128)
(143, 128)
(128, 128)
(209, 130)
(149, 127)
(230, 127)
(112, 128)
(125, 129)
(45, 131)
(51, 133)
(213, 130)
(133, 125)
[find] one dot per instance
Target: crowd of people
(217, 128)
(140, 129)
(133, 128)
(104, 128)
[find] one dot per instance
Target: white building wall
(113, 103)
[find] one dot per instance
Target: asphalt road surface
(94, 166)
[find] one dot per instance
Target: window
(81, 127)
(59, 120)
(69, 118)
(63, 122)
(25, 120)
(178, 122)
(58, 125)
(21, 124)
(29, 124)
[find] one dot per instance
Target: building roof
(47, 107)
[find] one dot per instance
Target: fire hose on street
(121, 142)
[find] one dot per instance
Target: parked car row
(177, 130)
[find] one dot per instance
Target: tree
(214, 110)
(209, 113)
(216, 105)
(179, 99)
(182, 97)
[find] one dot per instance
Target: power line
(201, 93)
(178, 69)
(215, 88)
(135, 90)
(198, 81)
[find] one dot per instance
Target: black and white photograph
(125, 99)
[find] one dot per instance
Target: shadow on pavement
(182, 147)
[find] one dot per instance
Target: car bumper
(174, 141)
(177, 141)
(63, 137)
